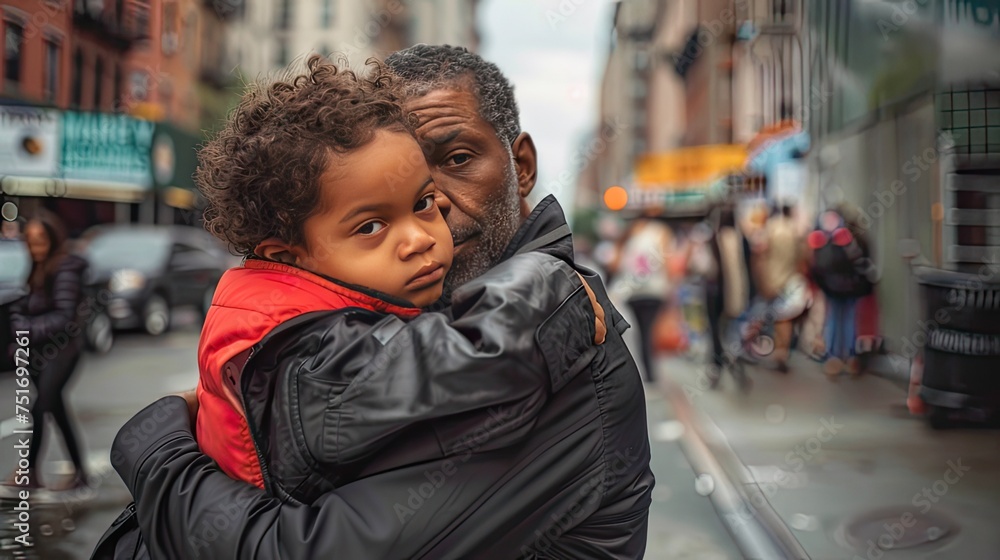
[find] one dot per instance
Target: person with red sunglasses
(842, 268)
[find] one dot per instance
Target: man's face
(476, 171)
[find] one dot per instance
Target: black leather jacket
(574, 484)
(341, 395)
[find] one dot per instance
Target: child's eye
(425, 203)
(371, 228)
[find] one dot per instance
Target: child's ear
(273, 249)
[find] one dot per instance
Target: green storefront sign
(106, 147)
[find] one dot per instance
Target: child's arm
(519, 333)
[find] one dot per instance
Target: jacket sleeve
(66, 290)
(518, 333)
(188, 508)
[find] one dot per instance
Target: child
(317, 365)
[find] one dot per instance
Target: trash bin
(961, 331)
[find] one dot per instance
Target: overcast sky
(554, 52)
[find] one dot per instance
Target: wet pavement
(105, 392)
(683, 523)
(846, 469)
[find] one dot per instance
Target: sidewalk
(106, 391)
(844, 468)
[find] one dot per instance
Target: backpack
(841, 265)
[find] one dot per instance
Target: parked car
(144, 272)
(15, 265)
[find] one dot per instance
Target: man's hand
(192, 401)
(601, 328)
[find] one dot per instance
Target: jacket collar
(365, 297)
(544, 220)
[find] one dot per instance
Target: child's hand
(192, 401)
(601, 329)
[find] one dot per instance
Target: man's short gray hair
(424, 68)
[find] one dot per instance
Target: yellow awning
(691, 167)
(180, 198)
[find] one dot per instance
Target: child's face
(381, 227)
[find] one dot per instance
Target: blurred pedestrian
(49, 313)
(841, 267)
(727, 288)
(779, 282)
(641, 278)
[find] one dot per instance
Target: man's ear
(526, 165)
(274, 249)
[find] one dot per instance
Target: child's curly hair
(260, 174)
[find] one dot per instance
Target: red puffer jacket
(249, 302)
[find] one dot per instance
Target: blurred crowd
(749, 283)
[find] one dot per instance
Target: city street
(844, 468)
(108, 389)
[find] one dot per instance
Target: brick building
(36, 56)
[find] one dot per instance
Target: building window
(13, 45)
(285, 15)
(170, 40)
(326, 15)
(139, 18)
(77, 78)
(51, 70)
(98, 82)
(116, 90)
(138, 86)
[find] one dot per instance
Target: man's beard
(503, 218)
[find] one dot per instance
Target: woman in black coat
(50, 315)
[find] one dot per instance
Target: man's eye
(371, 228)
(459, 159)
(425, 203)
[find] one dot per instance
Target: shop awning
(108, 191)
(776, 144)
(693, 168)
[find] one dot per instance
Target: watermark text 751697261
(22, 440)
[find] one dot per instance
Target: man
(577, 485)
